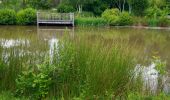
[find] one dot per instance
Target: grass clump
(90, 21)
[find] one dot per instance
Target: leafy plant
(156, 16)
(111, 15)
(115, 17)
(34, 84)
(7, 17)
(125, 19)
(160, 65)
(26, 16)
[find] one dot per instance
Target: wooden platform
(51, 18)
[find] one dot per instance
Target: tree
(78, 4)
(130, 5)
(39, 4)
(97, 7)
(139, 7)
(157, 3)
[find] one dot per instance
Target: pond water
(37, 41)
(146, 42)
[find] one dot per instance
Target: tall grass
(81, 68)
(90, 21)
(91, 70)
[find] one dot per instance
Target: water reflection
(52, 35)
(12, 43)
(53, 43)
(149, 76)
(152, 79)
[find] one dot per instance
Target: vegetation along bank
(90, 12)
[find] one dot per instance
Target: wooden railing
(55, 18)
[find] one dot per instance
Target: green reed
(81, 68)
(93, 69)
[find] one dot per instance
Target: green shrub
(115, 17)
(125, 19)
(90, 21)
(157, 17)
(153, 12)
(163, 22)
(7, 17)
(26, 17)
(34, 84)
(111, 15)
(62, 8)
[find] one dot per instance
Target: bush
(90, 21)
(153, 12)
(125, 19)
(7, 17)
(65, 8)
(26, 17)
(115, 17)
(157, 17)
(111, 15)
(163, 21)
(34, 84)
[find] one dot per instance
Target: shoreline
(133, 26)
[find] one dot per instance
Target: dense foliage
(111, 15)
(97, 8)
(7, 17)
(139, 7)
(26, 16)
(39, 4)
(125, 19)
(157, 17)
(65, 8)
(115, 17)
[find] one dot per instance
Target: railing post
(37, 19)
(73, 19)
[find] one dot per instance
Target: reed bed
(81, 68)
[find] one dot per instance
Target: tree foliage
(139, 7)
